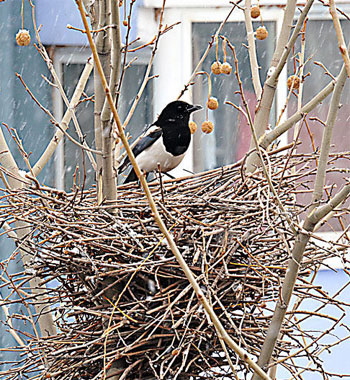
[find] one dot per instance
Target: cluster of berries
(261, 32)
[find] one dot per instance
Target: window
(231, 137)
(69, 65)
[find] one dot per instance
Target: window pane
(73, 156)
(231, 137)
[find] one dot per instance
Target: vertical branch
(98, 8)
(327, 137)
(341, 42)
(301, 74)
(7, 160)
(254, 67)
(278, 62)
(268, 93)
(113, 44)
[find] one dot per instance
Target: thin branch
(254, 67)
(62, 127)
(278, 62)
(341, 42)
(290, 122)
(51, 147)
(327, 137)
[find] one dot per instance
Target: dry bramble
(216, 68)
(207, 127)
(261, 33)
(255, 12)
(23, 37)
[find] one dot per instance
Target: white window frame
(74, 55)
(63, 55)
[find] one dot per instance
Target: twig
(278, 62)
(252, 49)
(341, 42)
(51, 147)
(327, 137)
(290, 122)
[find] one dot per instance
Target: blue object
(54, 16)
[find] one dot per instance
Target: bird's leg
(161, 183)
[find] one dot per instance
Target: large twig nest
(118, 294)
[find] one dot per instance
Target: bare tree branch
(50, 149)
(254, 67)
(278, 62)
(290, 122)
(291, 275)
(341, 42)
(327, 137)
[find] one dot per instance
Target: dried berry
(23, 37)
(125, 23)
(261, 33)
(212, 103)
(207, 127)
(226, 68)
(255, 12)
(193, 127)
(294, 81)
(216, 68)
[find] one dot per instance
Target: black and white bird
(165, 143)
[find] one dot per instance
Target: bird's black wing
(146, 141)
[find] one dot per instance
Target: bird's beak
(195, 108)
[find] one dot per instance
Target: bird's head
(177, 111)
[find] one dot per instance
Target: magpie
(166, 141)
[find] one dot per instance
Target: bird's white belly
(156, 154)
